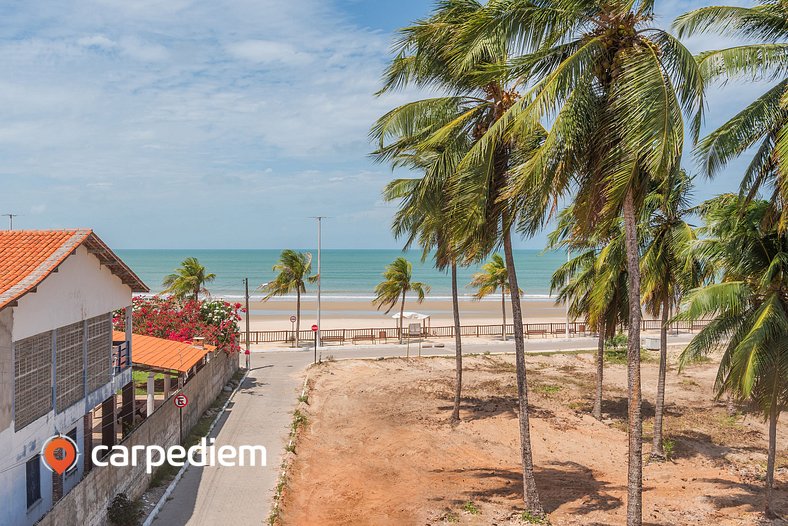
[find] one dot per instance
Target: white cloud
(268, 51)
(200, 111)
(98, 41)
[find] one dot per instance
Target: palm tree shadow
(745, 496)
(476, 408)
(617, 408)
(560, 484)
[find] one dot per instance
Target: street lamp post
(246, 296)
(319, 275)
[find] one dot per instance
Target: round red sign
(293, 319)
(181, 400)
(314, 328)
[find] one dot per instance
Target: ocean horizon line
(353, 297)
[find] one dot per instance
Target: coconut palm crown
(749, 308)
(762, 124)
(398, 281)
(188, 280)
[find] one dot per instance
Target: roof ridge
(25, 270)
(44, 268)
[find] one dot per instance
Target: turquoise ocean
(347, 274)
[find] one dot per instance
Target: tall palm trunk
(634, 410)
(455, 303)
(503, 311)
(774, 414)
(401, 314)
(298, 315)
(657, 452)
(600, 371)
(530, 492)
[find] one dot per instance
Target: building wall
(87, 503)
(6, 369)
(81, 289)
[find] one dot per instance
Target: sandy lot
(378, 447)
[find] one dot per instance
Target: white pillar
(151, 405)
(166, 386)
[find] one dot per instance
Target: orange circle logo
(59, 454)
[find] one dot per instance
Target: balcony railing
(120, 357)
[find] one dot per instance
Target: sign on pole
(314, 328)
(181, 400)
(293, 319)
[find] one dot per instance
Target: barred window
(69, 365)
(32, 379)
(99, 351)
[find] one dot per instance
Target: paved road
(260, 414)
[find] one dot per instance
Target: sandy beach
(348, 314)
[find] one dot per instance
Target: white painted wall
(81, 289)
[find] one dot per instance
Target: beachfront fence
(382, 335)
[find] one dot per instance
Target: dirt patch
(379, 448)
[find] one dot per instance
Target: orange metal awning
(166, 355)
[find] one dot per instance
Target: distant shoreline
(349, 314)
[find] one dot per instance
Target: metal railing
(392, 333)
(120, 357)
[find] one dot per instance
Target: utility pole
(11, 220)
(318, 339)
(246, 295)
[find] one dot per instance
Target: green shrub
(124, 512)
(471, 508)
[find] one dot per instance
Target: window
(69, 360)
(33, 480)
(99, 351)
(32, 379)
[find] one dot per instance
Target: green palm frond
(396, 284)
(293, 270)
(188, 280)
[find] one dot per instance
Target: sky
(218, 124)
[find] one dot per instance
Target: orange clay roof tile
(27, 257)
(161, 354)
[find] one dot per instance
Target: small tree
(593, 283)
(294, 270)
(494, 277)
(749, 309)
(188, 280)
(397, 283)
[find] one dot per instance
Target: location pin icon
(60, 454)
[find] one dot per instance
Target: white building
(58, 360)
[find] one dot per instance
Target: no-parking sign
(181, 400)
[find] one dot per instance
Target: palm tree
(294, 270)
(594, 283)
(615, 89)
(422, 219)
(188, 280)
(433, 54)
(669, 270)
(397, 283)
(764, 122)
(750, 310)
(494, 277)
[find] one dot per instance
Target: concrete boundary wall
(87, 503)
